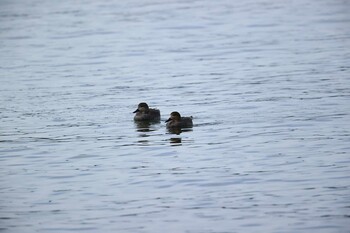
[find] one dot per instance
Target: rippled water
(267, 84)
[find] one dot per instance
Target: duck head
(142, 107)
(174, 116)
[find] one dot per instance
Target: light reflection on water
(266, 82)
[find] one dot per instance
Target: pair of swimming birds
(144, 113)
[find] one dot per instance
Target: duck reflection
(176, 141)
(178, 131)
(145, 129)
(143, 126)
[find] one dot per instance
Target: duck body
(177, 121)
(144, 113)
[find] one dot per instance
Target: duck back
(150, 115)
(186, 122)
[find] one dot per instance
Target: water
(266, 82)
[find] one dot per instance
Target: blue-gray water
(267, 84)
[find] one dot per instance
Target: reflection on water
(178, 131)
(182, 133)
(175, 141)
(149, 132)
(145, 126)
(146, 130)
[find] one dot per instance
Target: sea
(266, 82)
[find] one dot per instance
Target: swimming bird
(176, 121)
(144, 113)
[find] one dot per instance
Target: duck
(144, 113)
(177, 121)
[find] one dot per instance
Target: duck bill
(137, 110)
(168, 120)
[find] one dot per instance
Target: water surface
(267, 84)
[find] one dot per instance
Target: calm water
(268, 85)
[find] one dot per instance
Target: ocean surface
(267, 84)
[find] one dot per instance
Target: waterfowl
(144, 113)
(176, 121)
